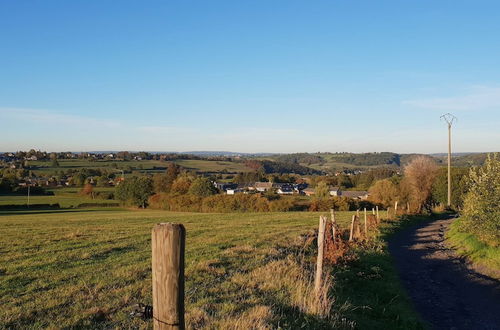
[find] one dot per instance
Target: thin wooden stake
(334, 224)
(378, 218)
(395, 208)
(168, 244)
(319, 261)
(352, 227)
(366, 227)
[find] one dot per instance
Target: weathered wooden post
(395, 208)
(366, 227)
(351, 234)
(319, 261)
(378, 218)
(168, 244)
(334, 224)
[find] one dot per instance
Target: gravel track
(446, 292)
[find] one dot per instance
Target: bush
(135, 190)
(481, 214)
(202, 187)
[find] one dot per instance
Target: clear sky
(249, 76)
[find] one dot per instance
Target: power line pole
(449, 119)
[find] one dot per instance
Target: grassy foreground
(86, 268)
(483, 256)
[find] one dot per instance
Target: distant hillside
(336, 161)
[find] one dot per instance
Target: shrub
(135, 190)
(481, 214)
(202, 187)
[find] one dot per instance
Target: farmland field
(65, 197)
(86, 268)
(146, 166)
(72, 269)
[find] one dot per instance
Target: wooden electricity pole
(449, 119)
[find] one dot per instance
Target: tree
(481, 213)
(163, 182)
(384, 192)
(88, 190)
(322, 190)
(419, 175)
(202, 187)
(181, 185)
(459, 177)
(135, 190)
(54, 163)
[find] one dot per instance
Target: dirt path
(446, 293)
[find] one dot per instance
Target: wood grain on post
(168, 244)
(319, 261)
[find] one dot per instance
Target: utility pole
(449, 119)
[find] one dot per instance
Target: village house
(334, 191)
(263, 186)
(308, 191)
(286, 189)
(362, 195)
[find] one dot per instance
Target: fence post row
(319, 261)
(168, 242)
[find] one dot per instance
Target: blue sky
(249, 76)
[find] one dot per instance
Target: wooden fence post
(366, 226)
(168, 244)
(319, 261)
(351, 235)
(334, 224)
(378, 218)
(395, 208)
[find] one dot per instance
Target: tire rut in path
(444, 290)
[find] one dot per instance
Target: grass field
(86, 268)
(65, 197)
(145, 166)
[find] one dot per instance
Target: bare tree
(419, 177)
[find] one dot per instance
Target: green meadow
(86, 268)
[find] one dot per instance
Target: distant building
(234, 191)
(263, 186)
(224, 186)
(334, 191)
(285, 190)
(356, 194)
(308, 191)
